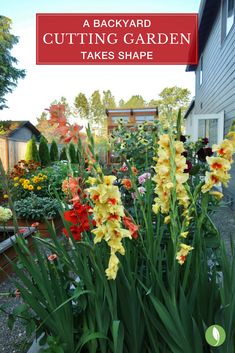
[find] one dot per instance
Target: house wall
(3, 154)
(16, 152)
(217, 92)
(16, 146)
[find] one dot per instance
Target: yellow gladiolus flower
(218, 164)
(184, 234)
(163, 177)
(108, 212)
(111, 271)
(217, 194)
(183, 253)
(167, 219)
(224, 149)
(231, 137)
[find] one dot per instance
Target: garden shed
(14, 136)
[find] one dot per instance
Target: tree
(96, 108)
(82, 104)
(9, 74)
(54, 152)
(63, 155)
(136, 101)
(44, 154)
(31, 153)
(72, 153)
(121, 103)
(108, 100)
(46, 129)
(93, 108)
(172, 99)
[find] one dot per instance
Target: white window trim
(228, 29)
(219, 117)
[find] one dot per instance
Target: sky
(45, 83)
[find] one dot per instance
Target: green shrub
(44, 152)
(31, 153)
(72, 153)
(63, 156)
(54, 153)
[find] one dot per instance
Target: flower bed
(142, 267)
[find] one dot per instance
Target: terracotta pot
(7, 250)
(42, 227)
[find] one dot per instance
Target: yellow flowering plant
(36, 183)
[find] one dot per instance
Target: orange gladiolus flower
(127, 183)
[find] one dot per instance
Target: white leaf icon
(216, 335)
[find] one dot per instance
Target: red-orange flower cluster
(79, 218)
(67, 132)
(23, 167)
(133, 228)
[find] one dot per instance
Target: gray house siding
(217, 91)
(22, 134)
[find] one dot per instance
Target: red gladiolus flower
(79, 217)
(75, 231)
(133, 228)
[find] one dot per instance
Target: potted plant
(38, 211)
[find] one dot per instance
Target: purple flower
(183, 138)
(133, 195)
(189, 167)
(142, 178)
(205, 140)
(141, 190)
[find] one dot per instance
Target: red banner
(117, 39)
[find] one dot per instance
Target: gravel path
(15, 341)
(11, 341)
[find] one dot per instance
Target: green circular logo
(215, 335)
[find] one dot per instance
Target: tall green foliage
(44, 152)
(54, 152)
(72, 153)
(31, 153)
(8, 72)
(63, 156)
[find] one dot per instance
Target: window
(201, 71)
(208, 128)
(116, 119)
(142, 118)
(228, 17)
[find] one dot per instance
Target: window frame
(224, 26)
